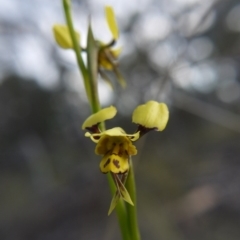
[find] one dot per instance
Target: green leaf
(114, 202)
(120, 193)
(92, 65)
(124, 193)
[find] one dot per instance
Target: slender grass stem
(132, 210)
(77, 50)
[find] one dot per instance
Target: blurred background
(182, 52)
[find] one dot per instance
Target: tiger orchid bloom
(107, 57)
(116, 146)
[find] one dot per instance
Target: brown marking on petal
(116, 163)
(143, 130)
(121, 150)
(107, 162)
(96, 137)
(94, 128)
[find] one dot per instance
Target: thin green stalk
(92, 51)
(132, 210)
(89, 77)
(77, 50)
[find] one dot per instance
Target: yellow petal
(104, 144)
(106, 59)
(116, 52)
(100, 116)
(151, 115)
(132, 149)
(111, 20)
(87, 134)
(105, 64)
(117, 131)
(114, 163)
(116, 144)
(63, 37)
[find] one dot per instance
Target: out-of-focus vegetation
(185, 53)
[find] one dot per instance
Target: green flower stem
(92, 93)
(82, 68)
(132, 210)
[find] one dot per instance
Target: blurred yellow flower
(107, 56)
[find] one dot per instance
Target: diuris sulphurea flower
(107, 56)
(116, 146)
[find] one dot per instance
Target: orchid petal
(151, 115)
(100, 116)
(111, 20)
(63, 37)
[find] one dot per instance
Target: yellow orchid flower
(116, 146)
(107, 56)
